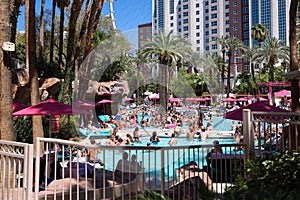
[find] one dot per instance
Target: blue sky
(128, 13)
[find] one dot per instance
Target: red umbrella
(18, 106)
(200, 99)
(48, 107)
(283, 93)
(258, 106)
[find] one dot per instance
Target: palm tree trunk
(52, 31)
(138, 84)
(294, 56)
(228, 72)
(61, 35)
(41, 44)
(223, 71)
(37, 127)
(6, 121)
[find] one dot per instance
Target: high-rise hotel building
(202, 21)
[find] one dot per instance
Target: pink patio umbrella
(104, 101)
(257, 106)
(242, 99)
(174, 99)
(207, 99)
(128, 99)
(200, 99)
(191, 99)
(18, 106)
(48, 107)
(154, 96)
(228, 99)
(84, 104)
(283, 93)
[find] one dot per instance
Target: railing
(267, 132)
(16, 164)
(177, 172)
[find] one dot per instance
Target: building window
(236, 52)
(246, 2)
(214, 46)
(213, 16)
(236, 35)
(226, 6)
(213, 38)
(246, 42)
(213, 8)
(206, 25)
(246, 18)
(185, 0)
(207, 48)
(171, 18)
(185, 28)
(214, 1)
(214, 31)
(198, 41)
(235, 3)
(206, 11)
(246, 68)
(179, 23)
(227, 30)
(197, 19)
(235, 28)
(198, 48)
(186, 35)
(197, 12)
(206, 33)
(171, 24)
(246, 35)
(179, 16)
(227, 22)
(185, 7)
(185, 14)
(245, 10)
(235, 12)
(179, 30)
(206, 3)
(214, 23)
(185, 21)
(197, 27)
(227, 14)
(236, 60)
(179, 9)
(235, 19)
(207, 18)
(198, 34)
(246, 26)
(207, 40)
(197, 5)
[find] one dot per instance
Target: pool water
(152, 160)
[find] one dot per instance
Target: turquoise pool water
(152, 160)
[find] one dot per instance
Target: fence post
(30, 171)
(37, 169)
(162, 172)
(247, 133)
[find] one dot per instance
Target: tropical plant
(259, 32)
(223, 42)
(248, 56)
(233, 44)
(271, 52)
(269, 178)
(167, 49)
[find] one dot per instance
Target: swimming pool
(154, 159)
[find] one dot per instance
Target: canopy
(84, 104)
(48, 107)
(242, 99)
(283, 93)
(257, 106)
(18, 106)
(228, 99)
(191, 99)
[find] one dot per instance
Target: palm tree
(6, 121)
(223, 42)
(259, 32)
(54, 2)
(194, 60)
(42, 22)
(37, 127)
(248, 54)
(293, 55)
(167, 49)
(233, 44)
(270, 53)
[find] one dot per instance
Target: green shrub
(277, 177)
